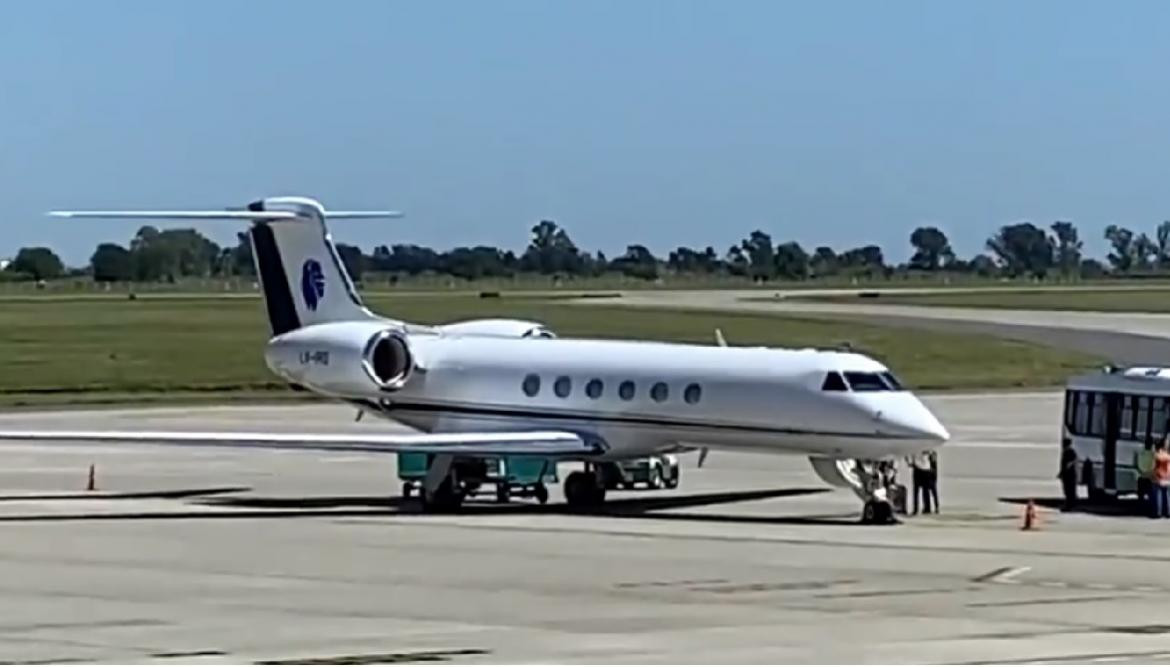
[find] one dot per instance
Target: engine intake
(387, 360)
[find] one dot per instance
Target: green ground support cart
(511, 476)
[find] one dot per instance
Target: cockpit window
(834, 382)
(865, 381)
(892, 382)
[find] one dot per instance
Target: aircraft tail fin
(300, 272)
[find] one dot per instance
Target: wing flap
(542, 443)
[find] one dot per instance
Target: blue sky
(663, 123)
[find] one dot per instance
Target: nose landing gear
(877, 510)
(877, 513)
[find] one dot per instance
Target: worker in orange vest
(1160, 488)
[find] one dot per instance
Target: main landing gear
(585, 489)
(441, 490)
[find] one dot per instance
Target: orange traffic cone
(1029, 516)
(91, 485)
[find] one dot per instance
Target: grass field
(1134, 300)
(87, 350)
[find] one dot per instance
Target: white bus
(1109, 417)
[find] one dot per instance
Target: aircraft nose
(931, 428)
(912, 419)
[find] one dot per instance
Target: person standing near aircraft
(920, 468)
(932, 480)
(1160, 488)
(1144, 464)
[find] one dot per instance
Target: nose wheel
(878, 513)
(873, 488)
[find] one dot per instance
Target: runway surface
(1128, 338)
(198, 555)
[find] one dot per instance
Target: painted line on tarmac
(1003, 575)
(1043, 601)
(1143, 657)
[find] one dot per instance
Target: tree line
(1019, 250)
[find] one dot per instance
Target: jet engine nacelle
(350, 359)
(506, 328)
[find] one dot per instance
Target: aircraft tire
(445, 499)
(877, 513)
(583, 490)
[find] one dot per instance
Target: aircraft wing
(537, 443)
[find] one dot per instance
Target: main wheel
(583, 490)
(541, 493)
(447, 498)
(503, 493)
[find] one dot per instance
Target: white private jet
(487, 388)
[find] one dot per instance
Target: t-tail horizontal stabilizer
(259, 216)
(300, 272)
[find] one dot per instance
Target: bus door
(1112, 423)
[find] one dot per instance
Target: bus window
(1097, 415)
(1158, 419)
(1081, 418)
(1142, 430)
(1070, 408)
(1125, 431)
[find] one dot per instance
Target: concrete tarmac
(213, 555)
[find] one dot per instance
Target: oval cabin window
(563, 386)
(531, 385)
(626, 390)
(659, 392)
(594, 388)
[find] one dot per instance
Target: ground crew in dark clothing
(1068, 475)
(932, 481)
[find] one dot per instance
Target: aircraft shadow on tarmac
(224, 506)
(649, 507)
